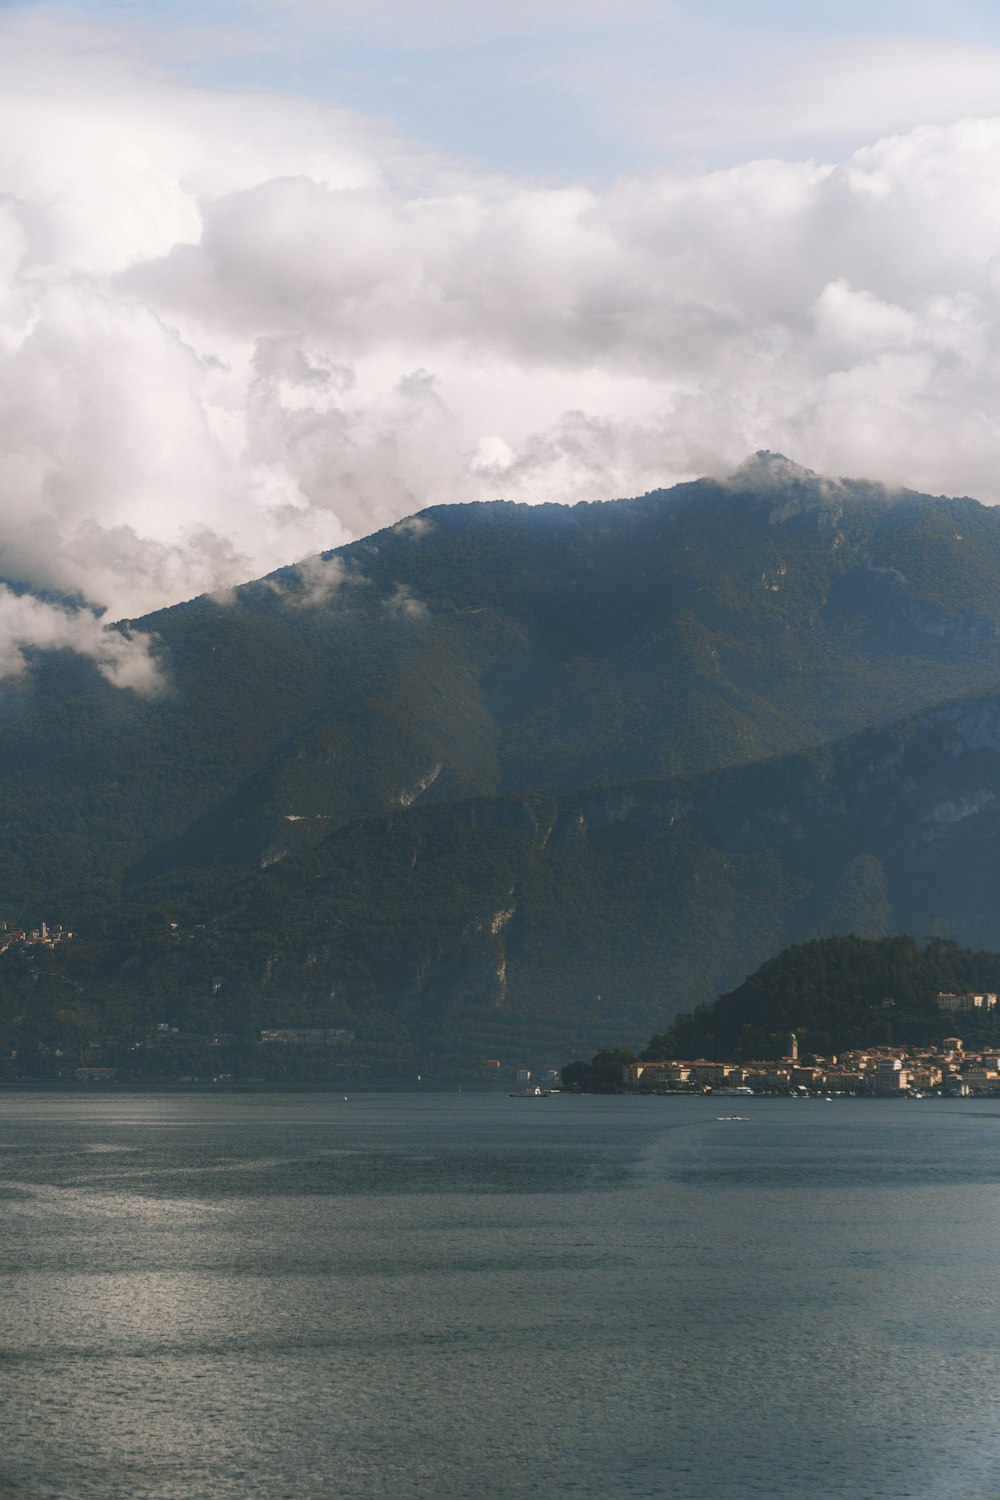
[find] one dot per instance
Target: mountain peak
(788, 489)
(765, 470)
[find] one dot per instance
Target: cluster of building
(164, 1032)
(884, 1072)
(310, 1035)
(42, 936)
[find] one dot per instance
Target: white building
(967, 1002)
(889, 1077)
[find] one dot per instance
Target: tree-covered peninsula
(836, 994)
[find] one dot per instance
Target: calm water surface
(435, 1295)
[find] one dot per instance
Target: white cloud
(405, 605)
(313, 584)
(236, 330)
(125, 658)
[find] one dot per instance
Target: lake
(440, 1295)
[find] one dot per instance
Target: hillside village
(42, 936)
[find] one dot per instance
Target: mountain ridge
(556, 656)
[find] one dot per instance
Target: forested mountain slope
(478, 927)
(492, 649)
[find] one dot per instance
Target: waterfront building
(807, 1078)
(656, 1075)
(889, 1077)
(926, 1076)
(843, 1081)
(709, 1072)
(979, 1077)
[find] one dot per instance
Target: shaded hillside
(562, 925)
(492, 649)
(635, 901)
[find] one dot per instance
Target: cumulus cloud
(404, 604)
(313, 584)
(123, 657)
(237, 330)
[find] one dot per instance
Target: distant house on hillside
(967, 1002)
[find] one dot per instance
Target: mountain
(508, 777)
(492, 649)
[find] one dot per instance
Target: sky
(273, 276)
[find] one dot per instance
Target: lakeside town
(880, 1071)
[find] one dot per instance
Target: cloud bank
(236, 329)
